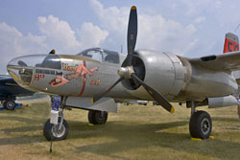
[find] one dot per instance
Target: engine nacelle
(222, 102)
(163, 71)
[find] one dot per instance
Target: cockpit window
(94, 53)
(111, 56)
(101, 55)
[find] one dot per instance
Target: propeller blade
(132, 33)
(105, 91)
(155, 94)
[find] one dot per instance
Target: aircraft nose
(22, 68)
(20, 71)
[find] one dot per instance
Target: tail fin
(231, 43)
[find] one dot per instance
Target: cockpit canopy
(101, 55)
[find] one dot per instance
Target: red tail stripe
(230, 46)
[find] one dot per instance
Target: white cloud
(199, 19)
(112, 18)
(13, 44)
(91, 36)
(55, 33)
(59, 34)
(185, 27)
(115, 21)
(158, 33)
(154, 31)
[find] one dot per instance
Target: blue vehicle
(9, 90)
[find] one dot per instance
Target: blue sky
(191, 28)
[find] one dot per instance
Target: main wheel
(52, 131)
(9, 104)
(97, 117)
(200, 125)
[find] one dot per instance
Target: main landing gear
(9, 104)
(97, 117)
(57, 128)
(200, 125)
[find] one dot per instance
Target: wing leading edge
(222, 62)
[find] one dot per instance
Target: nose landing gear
(56, 132)
(56, 128)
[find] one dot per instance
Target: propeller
(128, 71)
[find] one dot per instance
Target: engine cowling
(163, 71)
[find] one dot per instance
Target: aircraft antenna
(237, 28)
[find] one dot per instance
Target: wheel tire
(97, 117)
(9, 104)
(200, 125)
(49, 131)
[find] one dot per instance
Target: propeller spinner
(128, 71)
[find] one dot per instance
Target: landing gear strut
(200, 125)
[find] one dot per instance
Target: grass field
(136, 132)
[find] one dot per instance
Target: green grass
(136, 132)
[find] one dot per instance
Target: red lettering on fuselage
(38, 76)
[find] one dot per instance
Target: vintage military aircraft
(141, 75)
(9, 90)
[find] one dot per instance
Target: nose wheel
(56, 128)
(56, 132)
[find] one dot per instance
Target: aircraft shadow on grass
(21, 129)
(144, 136)
(225, 119)
(214, 149)
(20, 140)
(23, 119)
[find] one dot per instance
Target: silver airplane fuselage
(79, 75)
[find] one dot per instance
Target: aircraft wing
(8, 87)
(224, 62)
(5, 80)
(5, 77)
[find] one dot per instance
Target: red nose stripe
(84, 82)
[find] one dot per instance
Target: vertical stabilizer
(231, 43)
